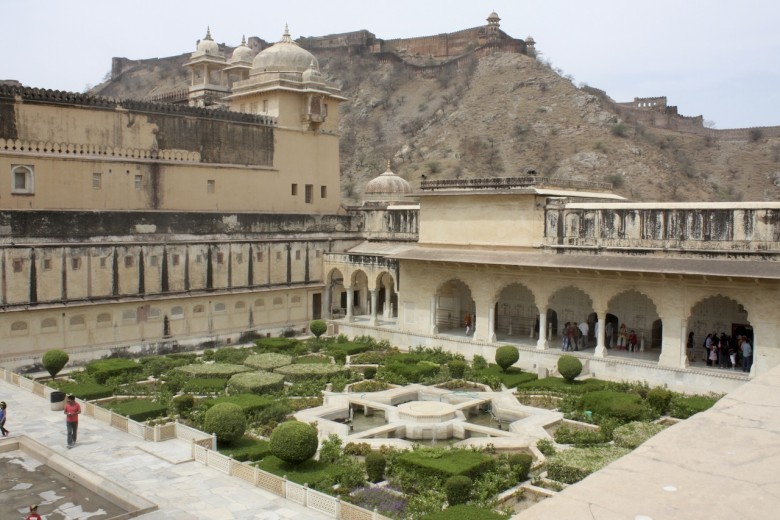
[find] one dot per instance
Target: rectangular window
(103, 262)
(47, 264)
(265, 105)
(278, 255)
(153, 260)
(294, 190)
(129, 261)
(220, 258)
(309, 194)
(75, 263)
(18, 265)
(318, 253)
(259, 256)
(138, 182)
(323, 192)
(97, 181)
(239, 258)
(175, 259)
(22, 177)
(210, 185)
(297, 254)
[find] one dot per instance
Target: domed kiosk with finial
(206, 65)
(284, 56)
(386, 188)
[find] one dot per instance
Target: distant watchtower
(493, 27)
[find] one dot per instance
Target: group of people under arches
(724, 351)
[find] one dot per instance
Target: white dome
(388, 187)
(242, 53)
(284, 56)
(208, 46)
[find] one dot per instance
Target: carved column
(541, 343)
(388, 306)
(350, 298)
(327, 305)
(601, 349)
(374, 300)
(434, 327)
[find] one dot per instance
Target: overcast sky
(709, 57)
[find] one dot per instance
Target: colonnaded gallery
(129, 224)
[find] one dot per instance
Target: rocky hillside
(504, 115)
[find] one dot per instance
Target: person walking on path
(72, 411)
(33, 514)
(3, 415)
(747, 354)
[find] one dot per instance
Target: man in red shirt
(33, 514)
(72, 411)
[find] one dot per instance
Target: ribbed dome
(284, 56)
(242, 53)
(387, 187)
(208, 46)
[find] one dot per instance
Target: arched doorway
(636, 313)
(516, 313)
(723, 316)
(334, 289)
(572, 305)
(387, 299)
(361, 301)
(455, 308)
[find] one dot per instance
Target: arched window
(240, 306)
(154, 314)
(295, 300)
(22, 180)
(129, 315)
(198, 309)
(278, 301)
(219, 308)
(49, 325)
(19, 328)
(177, 313)
(77, 322)
(260, 303)
(104, 319)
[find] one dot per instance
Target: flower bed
(255, 383)
(268, 361)
(570, 466)
(225, 370)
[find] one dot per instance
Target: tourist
(707, 347)
(632, 341)
(571, 332)
(33, 514)
(713, 351)
(583, 334)
(468, 324)
(3, 415)
(622, 335)
(72, 411)
(747, 354)
(689, 347)
(608, 334)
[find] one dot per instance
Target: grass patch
(561, 386)
(445, 464)
(465, 512)
(138, 409)
(310, 472)
(510, 379)
(247, 449)
(203, 385)
(570, 466)
(85, 391)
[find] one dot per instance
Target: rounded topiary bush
(226, 421)
(255, 383)
(569, 367)
(55, 360)
(294, 442)
(521, 465)
(458, 489)
(318, 327)
(457, 368)
(506, 356)
(303, 371)
(622, 406)
(268, 361)
(375, 466)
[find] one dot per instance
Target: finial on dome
(208, 33)
(286, 36)
(243, 39)
(388, 165)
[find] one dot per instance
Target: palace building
(130, 224)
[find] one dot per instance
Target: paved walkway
(719, 464)
(159, 472)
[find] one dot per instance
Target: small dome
(208, 46)
(387, 187)
(284, 56)
(312, 74)
(242, 53)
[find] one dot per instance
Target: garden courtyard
(482, 454)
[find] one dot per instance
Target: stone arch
(334, 288)
(387, 295)
(516, 311)
(719, 314)
(455, 307)
(571, 304)
(359, 286)
(639, 313)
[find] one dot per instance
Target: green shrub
(255, 383)
(633, 434)
(479, 362)
(226, 421)
(621, 406)
(350, 348)
(318, 328)
(521, 465)
(330, 450)
(369, 386)
(312, 358)
(246, 449)
(87, 391)
(570, 466)
(340, 357)
(457, 368)
(369, 372)
(55, 360)
(506, 356)
(465, 512)
(307, 371)
(268, 361)
(546, 446)
(280, 345)
(249, 403)
(212, 370)
(444, 464)
(184, 403)
(569, 367)
(103, 369)
(619, 129)
(375, 466)
(659, 399)
(358, 449)
(578, 437)
(139, 409)
(230, 355)
(684, 406)
(458, 489)
(510, 378)
(205, 385)
(294, 442)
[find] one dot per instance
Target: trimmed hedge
(87, 391)
(318, 327)
(465, 512)
(138, 409)
(54, 360)
(458, 489)
(279, 345)
(521, 464)
(294, 442)
(212, 370)
(205, 385)
(246, 449)
(268, 361)
(311, 370)
(255, 383)
(375, 466)
(450, 463)
(510, 378)
(506, 356)
(562, 387)
(570, 466)
(249, 403)
(350, 348)
(457, 368)
(621, 406)
(569, 367)
(312, 358)
(226, 421)
(102, 369)
(684, 406)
